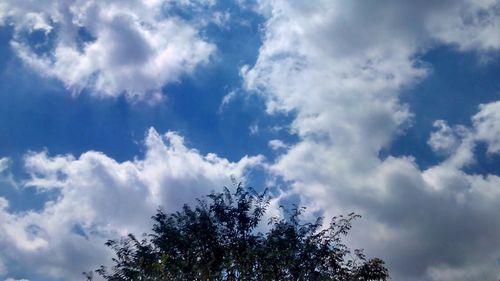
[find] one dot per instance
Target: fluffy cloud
(468, 24)
(340, 66)
(111, 47)
(487, 125)
(100, 198)
(277, 144)
(445, 140)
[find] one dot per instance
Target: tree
(218, 240)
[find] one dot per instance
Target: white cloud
(253, 129)
(340, 67)
(229, 97)
(100, 198)
(4, 164)
(460, 142)
(444, 139)
(452, 140)
(487, 125)
(277, 144)
(132, 49)
(6, 176)
(469, 24)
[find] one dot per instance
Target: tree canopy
(217, 239)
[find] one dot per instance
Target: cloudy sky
(390, 108)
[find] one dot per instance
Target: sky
(390, 109)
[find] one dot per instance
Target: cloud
(111, 48)
(100, 198)
(487, 126)
(6, 176)
(340, 67)
(253, 129)
(228, 98)
(459, 142)
(470, 25)
(446, 139)
(4, 164)
(276, 144)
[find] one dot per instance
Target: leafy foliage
(217, 240)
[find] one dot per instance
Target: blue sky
(108, 110)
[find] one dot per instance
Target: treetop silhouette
(217, 239)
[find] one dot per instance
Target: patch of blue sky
(6, 33)
(485, 163)
(17, 271)
(458, 83)
(24, 199)
(84, 36)
(40, 41)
